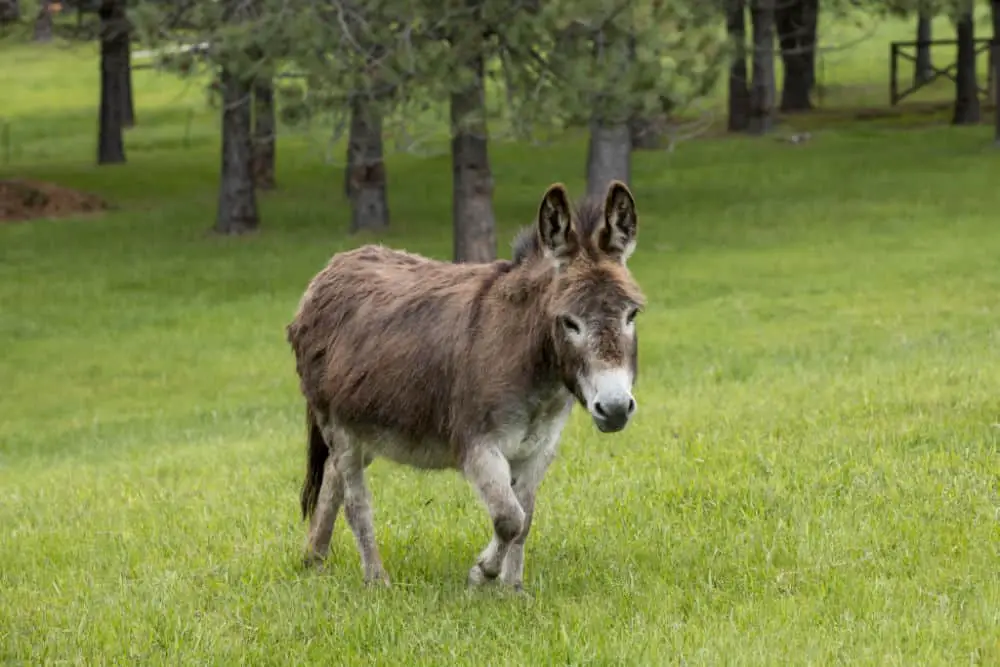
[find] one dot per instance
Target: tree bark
(609, 155)
(128, 102)
(114, 49)
(922, 67)
(264, 134)
(796, 24)
(472, 179)
(366, 183)
(43, 22)
(762, 87)
(739, 79)
(237, 212)
(995, 15)
(966, 90)
(811, 37)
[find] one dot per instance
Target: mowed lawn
(813, 475)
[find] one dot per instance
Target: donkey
(469, 367)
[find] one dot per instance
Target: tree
(609, 151)
(114, 54)
(796, 22)
(367, 186)
(473, 219)
(237, 41)
(43, 22)
(762, 86)
(739, 90)
(353, 80)
(237, 209)
(366, 174)
(966, 110)
(620, 67)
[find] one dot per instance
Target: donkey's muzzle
(611, 416)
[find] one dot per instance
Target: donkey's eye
(570, 324)
(630, 318)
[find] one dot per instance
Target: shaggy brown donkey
(472, 367)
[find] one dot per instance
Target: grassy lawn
(813, 476)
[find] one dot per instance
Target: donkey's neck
(521, 301)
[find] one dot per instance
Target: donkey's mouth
(610, 425)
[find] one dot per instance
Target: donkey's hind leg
(359, 512)
(331, 497)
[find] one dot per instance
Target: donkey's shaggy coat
(473, 367)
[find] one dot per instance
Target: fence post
(893, 72)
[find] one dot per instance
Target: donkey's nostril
(631, 406)
(599, 410)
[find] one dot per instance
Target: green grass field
(813, 476)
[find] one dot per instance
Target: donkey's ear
(617, 236)
(556, 229)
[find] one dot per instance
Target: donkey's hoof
(478, 576)
(312, 560)
(520, 591)
(378, 579)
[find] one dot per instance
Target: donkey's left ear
(617, 236)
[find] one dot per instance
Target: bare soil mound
(25, 200)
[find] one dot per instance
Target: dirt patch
(26, 200)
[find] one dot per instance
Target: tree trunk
(922, 67)
(811, 39)
(366, 183)
(796, 24)
(237, 213)
(128, 103)
(43, 22)
(995, 15)
(10, 11)
(762, 87)
(264, 134)
(609, 155)
(739, 89)
(966, 90)
(472, 179)
(114, 48)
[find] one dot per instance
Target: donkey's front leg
(488, 471)
(359, 513)
(526, 477)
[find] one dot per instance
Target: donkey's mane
(589, 213)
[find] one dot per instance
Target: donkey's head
(593, 300)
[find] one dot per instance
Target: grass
(812, 477)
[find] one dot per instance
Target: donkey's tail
(315, 462)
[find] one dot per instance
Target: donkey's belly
(428, 454)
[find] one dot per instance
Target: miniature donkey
(473, 367)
